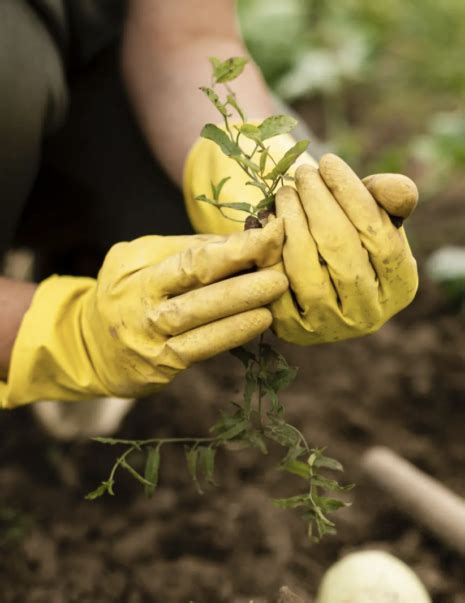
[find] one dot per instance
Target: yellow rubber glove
(370, 273)
(159, 304)
(349, 268)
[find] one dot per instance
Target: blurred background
(383, 84)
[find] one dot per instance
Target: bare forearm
(165, 59)
(15, 299)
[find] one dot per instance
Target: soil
(403, 387)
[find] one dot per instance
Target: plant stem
(302, 437)
(137, 443)
(120, 460)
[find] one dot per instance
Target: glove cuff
(50, 360)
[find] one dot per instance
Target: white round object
(371, 577)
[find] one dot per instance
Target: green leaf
(231, 99)
(105, 487)
(297, 468)
(256, 440)
(246, 207)
(331, 485)
(263, 157)
(192, 457)
(215, 62)
(248, 163)
(330, 505)
(270, 393)
(207, 462)
(135, 474)
(282, 378)
(287, 160)
(227, 420)
(259, 185)
(226, 71)
(273, 357)
(328, 463)
(216, 190)
(215, 100)
(314, 456)
(219, 136)
(266, 203)
(152, 467)
(235, 430)
(250, 131)
(282, 433)
(323, 525)
(276, 125)
(243, 355)
(249, 388)
(293, 502)
(206, 199)
(293, 453)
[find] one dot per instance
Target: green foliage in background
(388, 77)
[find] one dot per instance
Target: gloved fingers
(353, 196)
(337, 239)
(217, 337)
(219, 300)
(396, 193)
(147, 251)
(383, 241)
(205, 264)
(309, 280)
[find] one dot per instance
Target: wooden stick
(425, 499)
(287, 596)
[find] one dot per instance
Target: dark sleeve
(93, 26)
(81, 28)
(53, 14)
(33, 102)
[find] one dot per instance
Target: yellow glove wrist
(50, 359)
(159, 305)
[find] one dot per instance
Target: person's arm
(15, 299)
(165, 50)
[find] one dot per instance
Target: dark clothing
(82, 28)
(75, 174)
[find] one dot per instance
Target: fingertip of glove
(274, 231)
(304, 171)
(261, 318)
(285, 192)
(278, 282)
(331, 166)
(398, 194)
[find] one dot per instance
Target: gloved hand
(159, 304)
(370, 273)
(349, 268)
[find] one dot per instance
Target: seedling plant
(257, 420)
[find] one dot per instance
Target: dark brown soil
(403, 387)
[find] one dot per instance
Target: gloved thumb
(396, 193)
